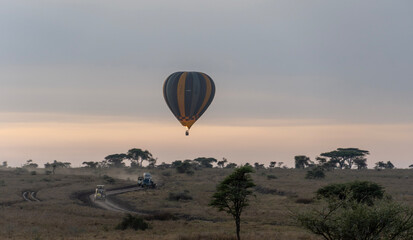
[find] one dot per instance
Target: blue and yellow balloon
(188, 95)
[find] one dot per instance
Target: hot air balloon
(188, 95)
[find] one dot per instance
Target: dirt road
(110, 205)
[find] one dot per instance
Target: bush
(2, 183)
(357, 210)
(269, 177)
(315, 173)
(108, 179)
(179, 196)
(360, 191)
(19, 171)
(166, 173)
(33, 173)
(48, 172)
(304, 200)
(383, 220)
(133, 222)
(165, 216)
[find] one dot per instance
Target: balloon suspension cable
(187, 131)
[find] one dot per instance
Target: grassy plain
(60, 215)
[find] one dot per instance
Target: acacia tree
(137, 156)
(221, 164)
(30, 164)
(361, 163)
(56, 164)
(272, 164)
(232, 194)
(91, 164)
(302, 161)
(345, 157)
(116, 160)
(383, 165)
(205, 162)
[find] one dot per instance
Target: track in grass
(30, 196)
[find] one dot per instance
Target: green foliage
(304, 200)
(269, 177)
(382, 165)
(30, 164)
(232, 194)
(302, 161)
(186, 166)
(19, 171)
(2, 183)
(33, 173)
(108, 179)
(360, 191)
(357, 210)
(116, 160)
(315, 173)
(345, 157)
(179, 196)
(133, 222)
(231, 165)
(383, 220)
(137, 156)
(91, 164)
(205, 162)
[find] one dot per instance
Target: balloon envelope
(188, 95)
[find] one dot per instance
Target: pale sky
(80, 80)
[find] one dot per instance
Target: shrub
(264, 190)
(357, 210)
(166, 173)
(383, 220)
(2, 183)
(165, 216)
(33, 173)
(133, 222)
(360, 191)
(108, 179)
(48, 172)
(19, 171)
(269, 177)
(179, 196)
(304, 200)
(315, 173)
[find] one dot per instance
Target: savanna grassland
(279, 194)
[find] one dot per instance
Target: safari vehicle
(100, 192)
(146, 181)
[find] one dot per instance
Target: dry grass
(59, 216)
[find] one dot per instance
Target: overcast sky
(284, 71)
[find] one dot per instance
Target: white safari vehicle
(100, 192)
(146, 181)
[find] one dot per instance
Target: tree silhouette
(137, 156)
(302, 161)
(116, 160)
(345, 157)
(232, 194)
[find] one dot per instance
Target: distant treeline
(342, 158)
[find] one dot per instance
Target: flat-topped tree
(345, 157)
(116, 160)
(137, 156)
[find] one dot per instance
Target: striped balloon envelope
(188, 95)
